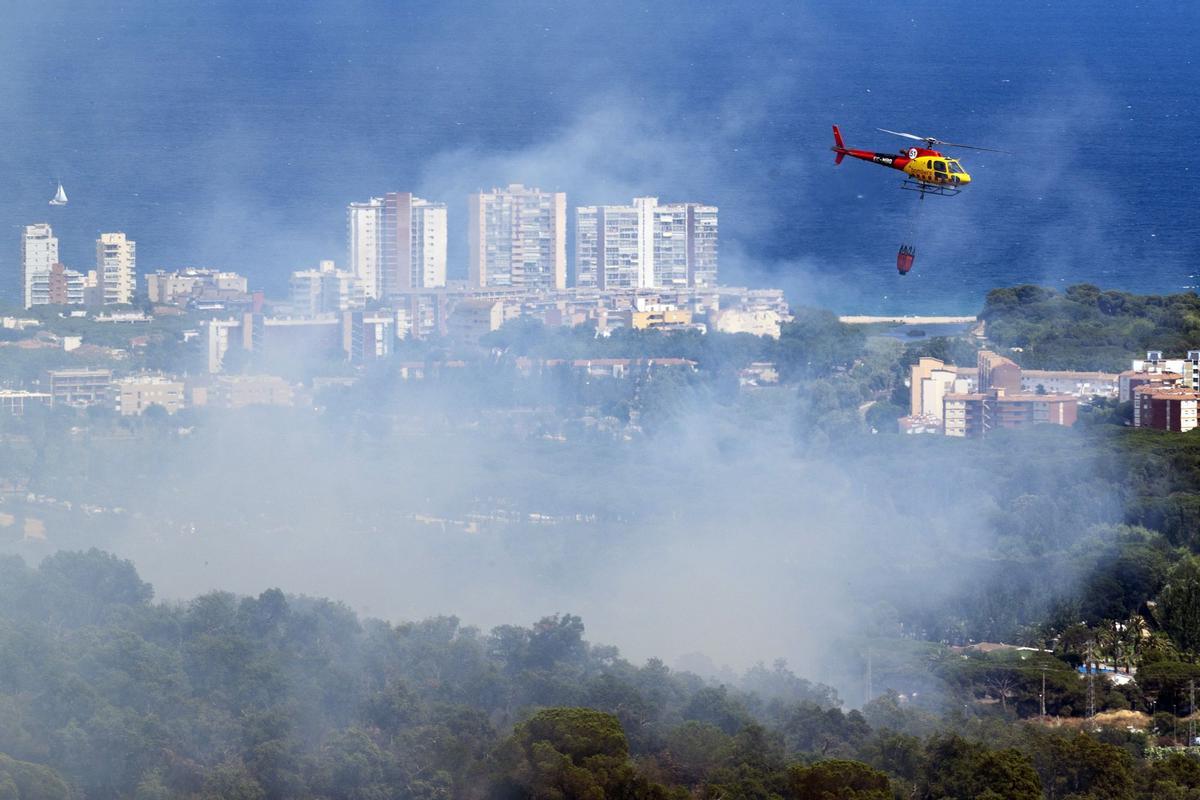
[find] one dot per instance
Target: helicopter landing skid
(929, 188)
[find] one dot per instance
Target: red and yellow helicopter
(927, 170)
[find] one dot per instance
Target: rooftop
(1167, 393)
(1070, 375)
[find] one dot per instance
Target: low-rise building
(325, 290)
(759, 373)
(962, 414)
(180, 287)
(1155, 361)
(79, 387)
(125, 317)
(18, 323)
(997, 393)
(239, 391)
(367, 336)
(471, 320)
(1130, 380)
(289, 338)
(1165, 408)
(1154, 370)
(759, 322)
(920, 425)
(135, 394)
(646, 314)
(1078, 384)
(294, 338)
(979, 413)
(15, 401)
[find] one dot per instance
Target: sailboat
(60, 197)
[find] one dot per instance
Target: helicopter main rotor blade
(932, 141)
(972, 147)
(905, 135)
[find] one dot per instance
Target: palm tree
(1108, 641)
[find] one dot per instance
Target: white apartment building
(60, 286)
(397, 243)
(39, 252)
(116, 268)
(517, 236)
(614, 245)
(646, 245)
(685, 245)
(428, 244)
(364, 224)
(325, 289)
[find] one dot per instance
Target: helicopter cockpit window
(955, 168)
(940, 166)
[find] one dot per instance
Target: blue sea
(234, 134)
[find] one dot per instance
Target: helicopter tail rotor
(839, 146)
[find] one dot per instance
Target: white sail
(60, 197)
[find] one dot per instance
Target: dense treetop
(106, 694)
(1087, 328)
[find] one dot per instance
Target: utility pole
(1091, 681)
(1043, 690)
(1192, 713)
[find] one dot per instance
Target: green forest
(1088, 328)
(105, 693)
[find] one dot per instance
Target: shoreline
(864, 319)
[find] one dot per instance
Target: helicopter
(927, 171)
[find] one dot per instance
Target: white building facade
(517, 236)
(39, 253)
(646, 245)
(364, 221)
(397, 243)
(428, 243)
(116, 269)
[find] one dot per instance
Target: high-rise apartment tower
(645, 245)
(116, 268)
(39, 253)
(397, 243)
(517, 236)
